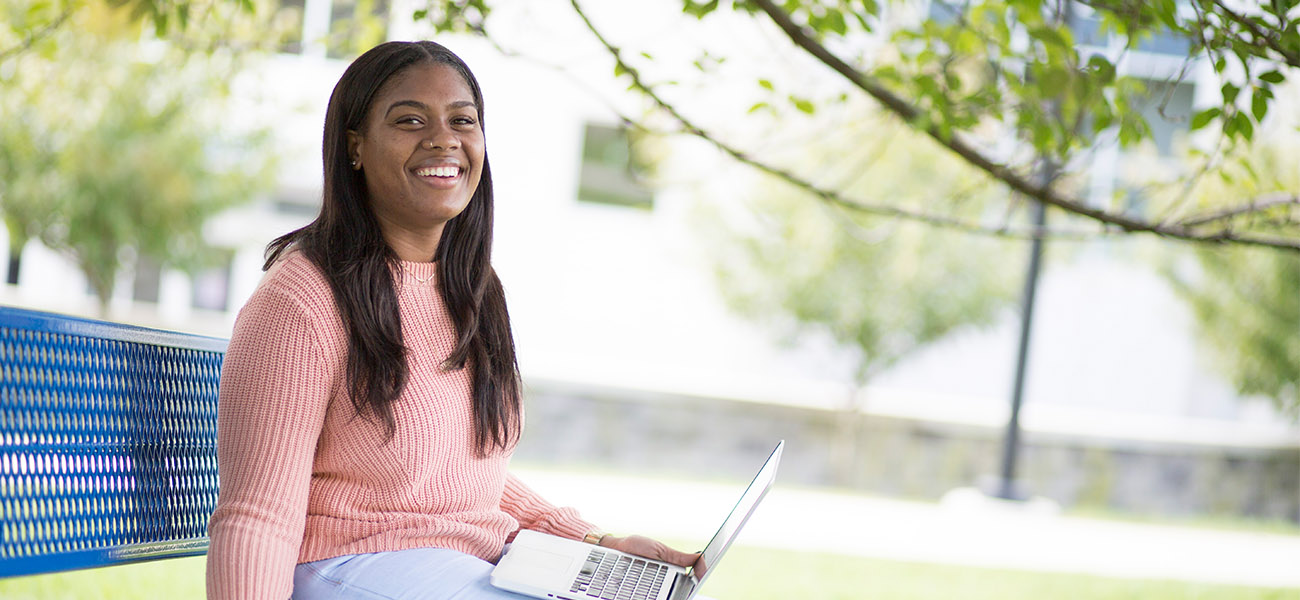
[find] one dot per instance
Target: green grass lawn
(747, 574)
(760, 574)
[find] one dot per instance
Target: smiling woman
(369, 398)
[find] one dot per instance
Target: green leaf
(1102, 67)
(1273, 77)
(757, 107)
(766, 84)
(1167, 12)
(888, 73)
(1056, 79)
(803, 104)
(1245, 128)
(699, 9)
(869, 9)
(1230, 92)
(1131, 131)
(835, 22)
(1049, 35)
(1259, 105)
(1204, 117)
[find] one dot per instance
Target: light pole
(1006, 485)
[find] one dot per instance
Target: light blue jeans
(416, 574)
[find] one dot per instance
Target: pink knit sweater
(303, 478)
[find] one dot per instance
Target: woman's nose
(443, 139)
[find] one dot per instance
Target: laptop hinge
(683, 585)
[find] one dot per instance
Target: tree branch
(1045, 194)
(36, 36)
(830, 196)
(1257, 205)
(1270, 41)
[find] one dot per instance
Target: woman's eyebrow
(416, 104)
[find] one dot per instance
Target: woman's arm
(533, 512)
(274, 392)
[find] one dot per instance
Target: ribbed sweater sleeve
(273, 397)
(533, 512)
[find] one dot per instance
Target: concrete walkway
(964, 530)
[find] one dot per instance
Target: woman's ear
(354, 149)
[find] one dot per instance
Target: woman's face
(420, 150)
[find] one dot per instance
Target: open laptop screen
(744, 507)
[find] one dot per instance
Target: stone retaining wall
(908, 458)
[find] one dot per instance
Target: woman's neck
(413, 245)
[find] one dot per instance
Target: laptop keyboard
(610, 576)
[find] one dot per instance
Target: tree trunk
(15, 262)
(844, 445)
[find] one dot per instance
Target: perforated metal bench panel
(108, 442)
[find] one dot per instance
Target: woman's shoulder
(294, 277)
(293, 270)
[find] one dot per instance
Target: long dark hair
(345, 242)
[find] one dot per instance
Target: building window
(1087, 29)
(611, 172)
(211, 289)
(944, 12)
(356, 26)
(288, 20)
(148, 280)
(1167, 110)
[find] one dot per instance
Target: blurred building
(616, 313)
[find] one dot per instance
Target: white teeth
(444, 171)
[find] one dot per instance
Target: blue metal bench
(108, 442)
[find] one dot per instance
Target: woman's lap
(416, 574)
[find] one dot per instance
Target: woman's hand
(648, 548)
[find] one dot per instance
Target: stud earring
(355, 165)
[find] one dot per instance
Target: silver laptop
(555, 568)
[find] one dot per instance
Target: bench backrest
(108, 442)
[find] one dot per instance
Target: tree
(880, 286)
(28, 25)
(1247, 307)
(1245, 300)
(110, 144)
(1003, 84)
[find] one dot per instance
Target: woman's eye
(410, 120)
(463, 120)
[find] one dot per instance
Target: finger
(676, 557)
(681, 559)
